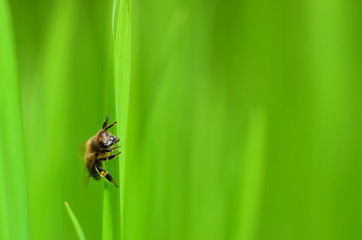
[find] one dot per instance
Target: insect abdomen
(94, 173)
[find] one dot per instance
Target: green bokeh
(244, 118)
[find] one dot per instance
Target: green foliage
(14, 222)
(118, 106)
(75, 222)
(238, 120)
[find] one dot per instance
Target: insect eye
(102, 137)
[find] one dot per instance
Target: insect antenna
(110, 126)
(104, 126)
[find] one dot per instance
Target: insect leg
(111, 149)
(106, 174)
(109, 157)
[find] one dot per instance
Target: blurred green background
(244, 119)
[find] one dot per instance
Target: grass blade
(13, 201)
(118, 107)
(75, 222)
(122, 79)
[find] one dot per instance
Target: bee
(99, 148)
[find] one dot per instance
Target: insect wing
(81, 150)
(87, 170)
(85, 176)
(86, 163)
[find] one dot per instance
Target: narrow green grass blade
(50, 108)
(252, 181)
(118, 107)
(122, 79)
(75, 222)
(13, 201)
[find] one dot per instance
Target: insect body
(99, 149)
